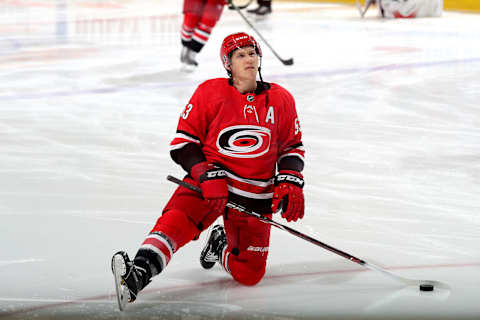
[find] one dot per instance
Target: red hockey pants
(186, 215)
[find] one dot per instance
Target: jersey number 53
(187, 110)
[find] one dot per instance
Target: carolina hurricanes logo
(244, 141)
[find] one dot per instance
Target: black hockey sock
(195, 46)
(147, 266)
(265, 3)
(186, 43)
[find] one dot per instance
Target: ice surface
(90, 94)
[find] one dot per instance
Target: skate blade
(119, 270)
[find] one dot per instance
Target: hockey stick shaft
(302, 235)
(287, 62)
(363, 11)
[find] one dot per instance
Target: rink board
(462, 5)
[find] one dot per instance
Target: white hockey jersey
(410, 8)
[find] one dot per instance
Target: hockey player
(264, 8)
(238, 139)
(199, 18)
(409, 8)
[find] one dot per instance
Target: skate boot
(212, 251)
(129, 279)
(187, 57)
(261, 10)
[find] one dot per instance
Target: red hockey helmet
(236, 41)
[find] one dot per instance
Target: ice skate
(187, 58)
(212, 251)
(260, 10)
(128, 279)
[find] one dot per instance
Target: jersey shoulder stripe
(186, 135)
(183, 138)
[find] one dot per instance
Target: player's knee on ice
(248, 267)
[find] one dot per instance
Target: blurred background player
(237, 139)
(410, 8)
(264, 8)
(407, 8)
(199, 18)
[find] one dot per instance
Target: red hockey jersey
(246, 134)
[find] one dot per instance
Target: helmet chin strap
(260, 69)
(260, 74)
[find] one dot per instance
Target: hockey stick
(367, 5)
(303, 236)
(287, 62)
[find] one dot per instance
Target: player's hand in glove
(213, 182)
(288, 192)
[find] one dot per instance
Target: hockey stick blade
(287, 62)
(371, 266)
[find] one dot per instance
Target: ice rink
(90, 94)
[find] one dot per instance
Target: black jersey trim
(241, 177)
(188, 134)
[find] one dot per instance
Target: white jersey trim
(224, 259)
(162, 240)
(202, 33)
(291, 155)
(247, 194)
(178, 146)
(185, 137)
(256, 183)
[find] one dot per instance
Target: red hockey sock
(190, 21)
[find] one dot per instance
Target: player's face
(244, 63)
